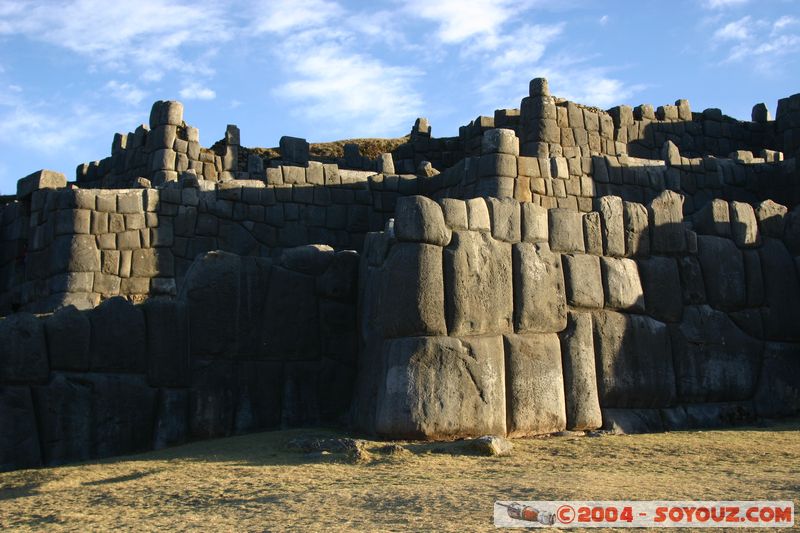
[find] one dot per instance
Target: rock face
(539, 296)
(580, 377)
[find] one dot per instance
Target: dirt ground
(253, 483)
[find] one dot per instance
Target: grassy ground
(330, 151)
(251, 483)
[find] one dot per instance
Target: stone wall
(500, 317)
(249, 344)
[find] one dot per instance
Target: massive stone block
(413, 291)
(478, 285)
(634, 361)
(621, 284)
(167, 343)
(778, 392)
(23, 351)
(613, 232)
(212, 282)
(64, 412)
(580, 377)
(123, 409)
(260, 387)
(119, 339)
(713, 219)
(771, 218)
(637, 229)
(667, 233)
(540, 304)
(19, 440)
(566, 230)
(714, 360)
(535, 385)
(291, 316)
(781, 292)
(505, 218)
(632, 421)
(694, 288)
(723, 272)
(212, 398)
(442, 387)
(583, 280)
(41, 179)
(744, 226)
(662, 288)
(420, 219)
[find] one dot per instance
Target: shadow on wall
(249, 344)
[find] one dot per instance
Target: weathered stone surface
(506, 219)
(540, 304)
(123, 409)
(718, 415)
(68, 334)
(754, 278)
(565, 228)
(212, 282)
(64, 413)
(778, 392)
(632, 421)
(478, 214)
(613, 231)
(260, 390)
(666, 223)
(535, 385)
(634, 361)
(580, 377)
(478, 285)
(713, 219)
(490, 445)
(694, 288)
(172, 418)
(442, 387)
(781, 292)
(455, 213)
(500, 140)
(166, 112)
(592, 233)
(662, 288)
(714, 360)
(744, 226)
(167, 343)
(723, 272)
(534, 223)
(340, 279)
(420, 219)
(584, 283)
(309, 259)
(212, 398)
(23, 350)
(118, 340)
(291, 317)
(41, 179)
(621, 284)
(74, 253)
(637, 229)
(19, 440)
(771, 218)
(413, 283)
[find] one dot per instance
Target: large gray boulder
(167, 343)
(637, 229)
(41, 179)
(412, 291)
(23, 351)
(119, 339)
(64, 413)
(540, 304)
(723, 272)
(771, 218)
(621, 284)
(442, 387)
(714, 360)
(566, 230)
(662, 288)
(68, 335)
(584, 283)
(420, 219)
(613, 230)
(478, 285)
(19, 440)
(632, 421)
(506, 219)
(580, 377)
(713, 219)
(744, 226)
(634, 361)
(535, 385)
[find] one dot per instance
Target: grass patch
(252, 482)
(330, 151)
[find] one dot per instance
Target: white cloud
(196, 91)
(738, 30)
(125, 92)
(722, 4)
(525, 46)
(783, 22)
(603, 20)
(281, 16)
(459, 20)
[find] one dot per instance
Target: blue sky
(72, 73)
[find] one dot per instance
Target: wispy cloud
(737, 30)
(723, 4)
(125, 92)
(760, 42)
(196, 91)
(603, 20)
(460, 20)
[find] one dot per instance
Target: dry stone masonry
(553, 267)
